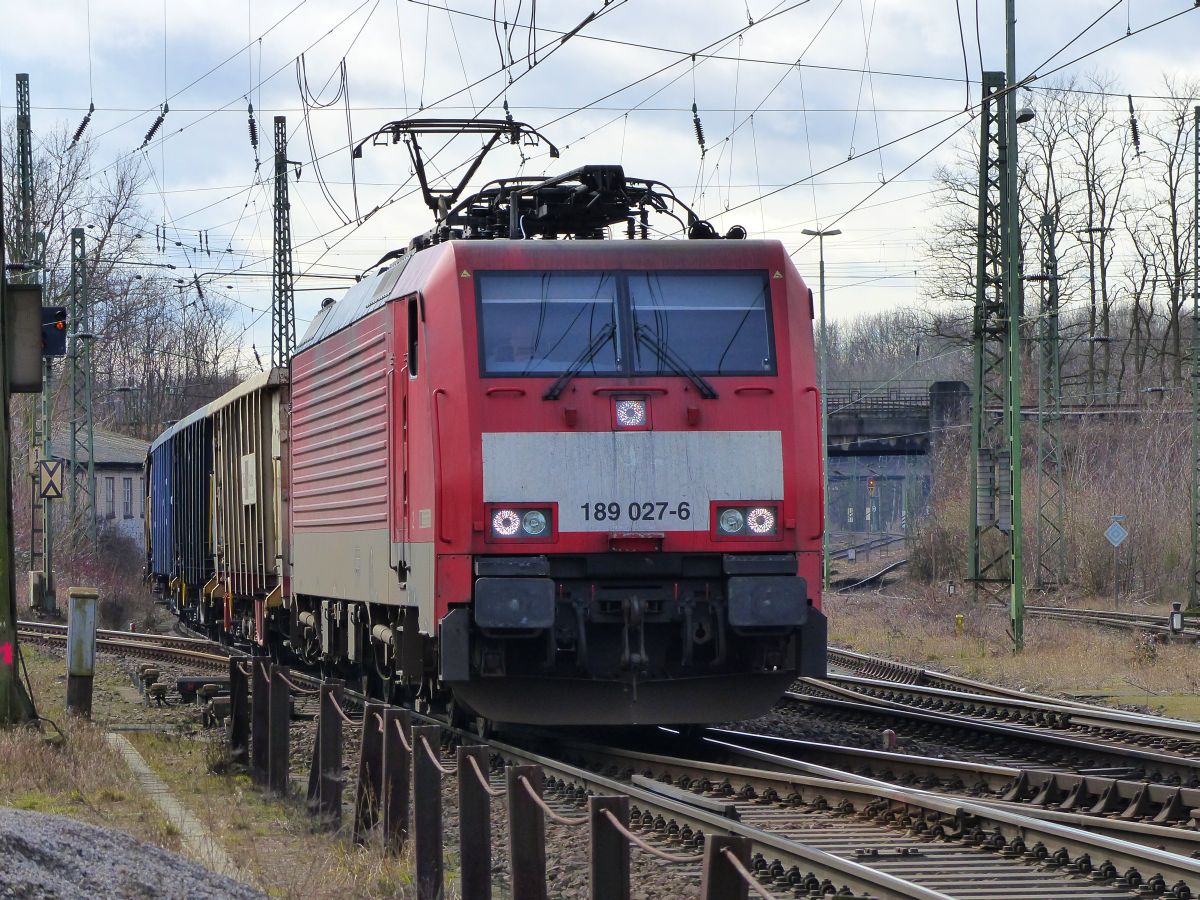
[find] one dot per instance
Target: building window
(127, 498)
(110, 487)
(142, 497)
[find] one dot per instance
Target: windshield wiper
(589, 352)
(663, 352)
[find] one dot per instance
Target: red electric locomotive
(560, 481)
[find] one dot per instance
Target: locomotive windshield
(716, 322)
(543, 323)
(540, 323)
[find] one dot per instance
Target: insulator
(153, 130)
(253, 125)
(698, 126)
(83, 125)
(1133, 128)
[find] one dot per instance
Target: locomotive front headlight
(761, 520)
(731, 521)
(506, 522)
(631, 413)
(534, 522)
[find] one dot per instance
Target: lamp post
(823, 377)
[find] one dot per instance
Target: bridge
(880, 436)
(898, 418)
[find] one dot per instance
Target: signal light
(54, 331)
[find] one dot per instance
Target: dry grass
(273, 841)
(1133, 468)
(79, 776)
(1059, 657)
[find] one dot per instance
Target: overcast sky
(621, 90)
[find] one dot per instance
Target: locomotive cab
(643, 448)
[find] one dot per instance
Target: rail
(403, 767)
(398, 794)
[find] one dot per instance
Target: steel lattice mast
(283, 298)
(1051, 561)
(1194, 576)
(990, 544)
(41, 520)
(82, 496)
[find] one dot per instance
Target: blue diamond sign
(1116, 534)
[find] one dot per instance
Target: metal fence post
(474, 825)
(239, 711)
(526, 833)
(719, 880)
(610, 848)
(325, 774)
(396, 762)
(368, 792)
(260, 722)
(279, 712)
(427, 812)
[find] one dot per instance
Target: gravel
(43, 856)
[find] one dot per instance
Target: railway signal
(54, 331)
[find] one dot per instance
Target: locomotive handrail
(496, 391)
(754, 389)
(629, 390)
(438, 504)
(820, 458)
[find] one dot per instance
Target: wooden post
(610, 848)
(325, 774)
(427, 812)
(396, 763)
(474, 825)
(260, 722)
(368, 791)
(526, 833)
(239, 711)
(279, 714)
(718, 879)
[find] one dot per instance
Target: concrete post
(81, 649)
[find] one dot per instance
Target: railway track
(876, 543)
(173, 648)
(940, 846)
(1002, 725)
(1159, 815)
(823, 829)
(1151, 623)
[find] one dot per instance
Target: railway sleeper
(1101, 796)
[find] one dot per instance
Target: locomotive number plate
(635, 511)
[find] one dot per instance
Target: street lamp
(820, 235)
